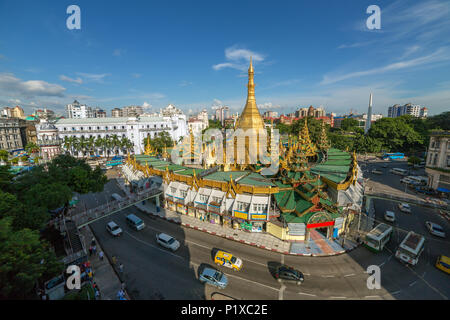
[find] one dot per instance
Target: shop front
(191, 211)
(227, 221)
(258, 222)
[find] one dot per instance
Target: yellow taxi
(226, 259)
(443, 263)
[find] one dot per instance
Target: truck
(410, 248)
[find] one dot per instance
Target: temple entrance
(323, 231)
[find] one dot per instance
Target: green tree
(31, 148)
(414, 160)
(4, 155)
(24, 261)
(349, 124)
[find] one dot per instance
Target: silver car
(113, 229)
(435, 229)
(167, 241)
(389, 216)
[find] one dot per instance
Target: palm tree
(70, 144)
(99, 142)
(31, 148)
(91, 145)
(115, 143)
(83, 144)
(127, 144)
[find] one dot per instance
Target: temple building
(315, 189)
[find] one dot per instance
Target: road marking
(396, 292)
(382, 264)
(153, 246)
(308, 294)
(371, 297)
(338, 297)
(413, 283)
(349, 275)
(280, 293)
(328, 276)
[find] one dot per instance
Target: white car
(375, 171)
(435, 229)
(389, 216)
(113, 229)
(404, 207)
(167, 241)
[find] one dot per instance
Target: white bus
(399, 171)
(410, 248)
(377, 238)
(420, 180)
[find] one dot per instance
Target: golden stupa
(250, 117)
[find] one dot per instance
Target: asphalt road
(152, 272)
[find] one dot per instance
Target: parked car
(167, 241)
(223, 258)
(443, 263)
(384, 165)
(435, 229)
(285, 273)
(426, 190)
(117, 197)
(376, 171)
(113, 229)
(389, 216)
(213, 277)
(410, 182)
(404, 207)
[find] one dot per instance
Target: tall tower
(369, 116)
(250, 117)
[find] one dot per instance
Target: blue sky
(194, 54)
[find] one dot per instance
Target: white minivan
(399, 171)
(167, 241)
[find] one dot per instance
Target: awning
(443, 190)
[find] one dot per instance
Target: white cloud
(10, 85)
(238, 58)
(92, 77)
(68, 79)
(118, 52)
(441, 54)
(146, 105)
(185, 83)
(136, 75)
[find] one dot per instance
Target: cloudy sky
(194, 54)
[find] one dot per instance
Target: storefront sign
(241, 215)
(338, 222)
(259, 217)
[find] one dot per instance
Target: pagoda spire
(250, 117)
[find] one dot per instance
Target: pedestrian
(114, 260)
(93, 241)
(121, 268)
(123, 286)
(120, 294)
(90, 251)
(94, 249)
(97, 294)
(100, 255)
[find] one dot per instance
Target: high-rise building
(414, 110)
(116, 113)
(130, 111)
(99, 113)
(75, 110)
(222, 113)
(438, 161)
(13, 134)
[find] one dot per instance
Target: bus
(395, 155)
(420, 180)
(399, 171)
(410, 248)
(377, 238)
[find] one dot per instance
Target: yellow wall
(281, 233)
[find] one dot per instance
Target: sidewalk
(260, 240)
(104, 274)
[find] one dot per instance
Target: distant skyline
(195, 54)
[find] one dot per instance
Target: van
(115, 196)
(135, 222)
(399, 171)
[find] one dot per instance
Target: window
(184, 194)
(65, 128)
(435, 159)
(173, 190)
(106, 128)
(81, 128)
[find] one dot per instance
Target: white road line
(371, 297)
(150, 245)
(413, 283)
(349, 275)
(382, 264)
(396, 292)
(328, 276)
(280, 293)
(308, 294)
(338, 297)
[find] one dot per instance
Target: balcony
(53, 142)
